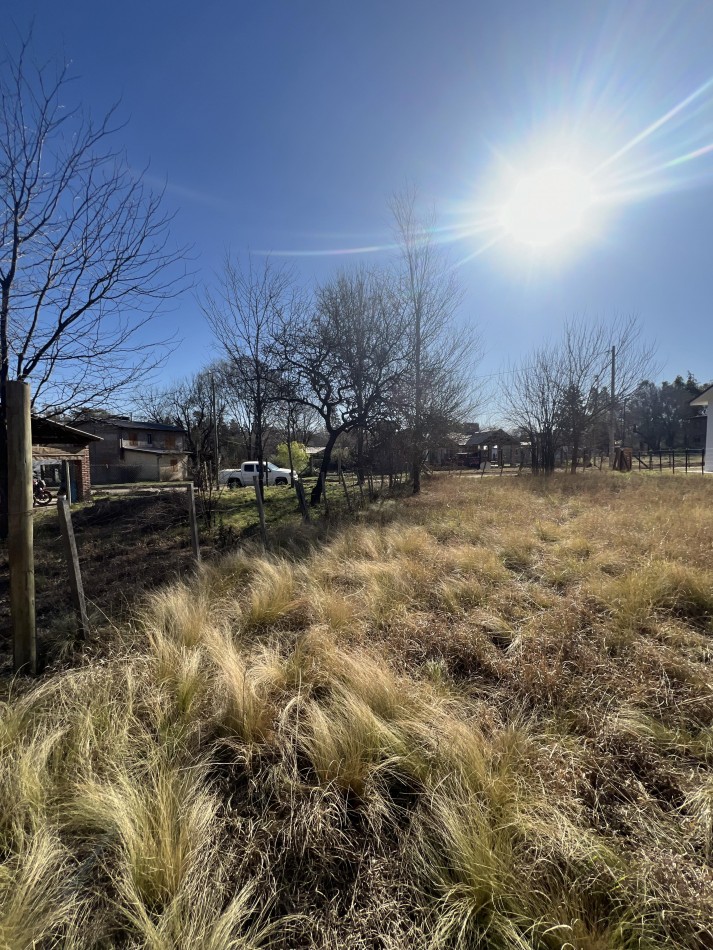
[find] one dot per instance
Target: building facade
(132, 451)
(53, 444)
(706, 400)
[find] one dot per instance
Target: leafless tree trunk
(346, 358)
(251, 302)
(533, 405)
(442, 355)
(84, 251)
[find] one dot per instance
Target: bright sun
(548, 206)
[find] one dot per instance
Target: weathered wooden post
(343, 480)
(75, 574)
(304, 507)
(323, 476)
(20, 527)
(260, 508)
(195, 542)
(361, 492)
(67, 481)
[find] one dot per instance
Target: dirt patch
(127, 546)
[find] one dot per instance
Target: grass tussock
(484, 720)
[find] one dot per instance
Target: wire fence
(685, 460)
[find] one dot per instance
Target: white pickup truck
(237, 477)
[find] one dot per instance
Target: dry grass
(481, 719)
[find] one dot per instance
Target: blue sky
(286, 126)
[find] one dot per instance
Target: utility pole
(612, 403)
(20, 535)
(215, 430)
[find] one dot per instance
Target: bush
(299, 456)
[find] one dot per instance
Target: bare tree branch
(251, 302)
(85, 260)
(559, 393)
(346, 358)
(442, 358)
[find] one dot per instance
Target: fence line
(689, 460)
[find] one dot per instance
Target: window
(174, 463)
(133, 438)
(249, 468)
(170, 440)
(149, 438)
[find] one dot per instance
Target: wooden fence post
(67, 480)
(260, 508)
(342, 479)
(75, 574)
(323, 476)
(346, 490)
(361, 492)
(195, 542)
(20, 527)
(304, 507)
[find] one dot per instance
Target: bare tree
(84, 250)
(346, 358)
(560, 393)
(534, 405)
(197, 406)
(251, 302)
(586, 353)
(442, 355)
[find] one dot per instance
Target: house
(706, 399)
(54, 443)
(452, 446)
(496, 447)
(132, 451)
(694, 432)
(470, 448)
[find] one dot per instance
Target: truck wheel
(234, 483)
(280, 481)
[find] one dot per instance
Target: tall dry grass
(482, 719)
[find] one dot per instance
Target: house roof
(132, 424)
(458, 438)
(703, 399)
(57, 433)
(493, 435)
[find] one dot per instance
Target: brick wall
(84, 482)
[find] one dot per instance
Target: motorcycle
(41, 495)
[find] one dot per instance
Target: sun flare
(548, 206)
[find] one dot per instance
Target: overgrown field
(481, 718)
